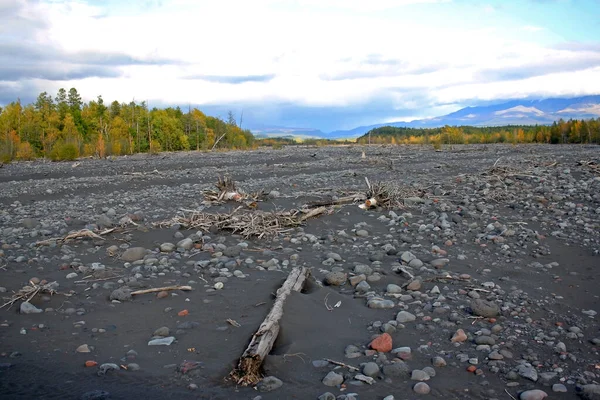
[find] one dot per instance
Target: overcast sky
(325, 64)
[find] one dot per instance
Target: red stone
(382, 343)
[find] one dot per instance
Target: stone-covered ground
(484, 285)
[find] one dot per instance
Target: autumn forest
(65, 128)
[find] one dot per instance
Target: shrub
(155, 147)
(25, 152)
(64, 152)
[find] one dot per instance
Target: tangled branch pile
(389, 195)
(226, 190)
(30, 291)
(248, 223)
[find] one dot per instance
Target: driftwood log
(248, 369)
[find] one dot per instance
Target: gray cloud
(22, 57)
(541, 68)
(232, 79)
(54, 72)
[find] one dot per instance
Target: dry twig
(161, 289)
(250, 223)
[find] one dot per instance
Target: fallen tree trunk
(248, 369)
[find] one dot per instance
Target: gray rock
(232, 251)
(485, 340)
(391, 288)
(371, 369)
(104, 368)
(407, 257)
(166, 341)
(528, 372)
(379, 303)
(28, 308)
(185, 244)
(104, 221)
(134, 254)
(167, 247)
(405, 316)
(484, 308)
(320, 363)
(335, 278)
(327, 396)
(438, 362)
(363, 269)
(333, 379)
(363, 287)
(559, 388)
(269, 384)
(396, 369)
(377, 256)
(362, 233)
(535, 394)
(421, 388)
(590, 392)
(162, 331)
(419, 375)
(121, 294)
(415, 263)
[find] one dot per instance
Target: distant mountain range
(514, 112)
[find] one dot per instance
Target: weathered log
(248, 369)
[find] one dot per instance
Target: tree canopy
(65, 127)
(571, 131)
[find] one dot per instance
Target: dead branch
(84, 233)
(341, 364)
(248, 369)
(246, 223)
(161, 289)
(29, 292)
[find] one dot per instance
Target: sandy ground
(541, 259)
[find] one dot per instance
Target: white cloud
(308, 46)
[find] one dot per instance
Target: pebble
(421, 388)
(484, 308)
(28, 308)
(268, 384)
(84, 348)
(167, 341)
(335, 278)
(134, 254)
(459, 336)
(162, 331)
(405, 316)
(371, 369)
(559, 388)
(333, 379)
(438, 362)
(535, 394)
(419, 375)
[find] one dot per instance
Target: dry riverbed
(483, 284)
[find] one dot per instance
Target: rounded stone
(421, 388)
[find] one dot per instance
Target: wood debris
(227, 191)
(248, 369)
(161, 289)
(29, 292)
(389, 195)
(246, 223)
